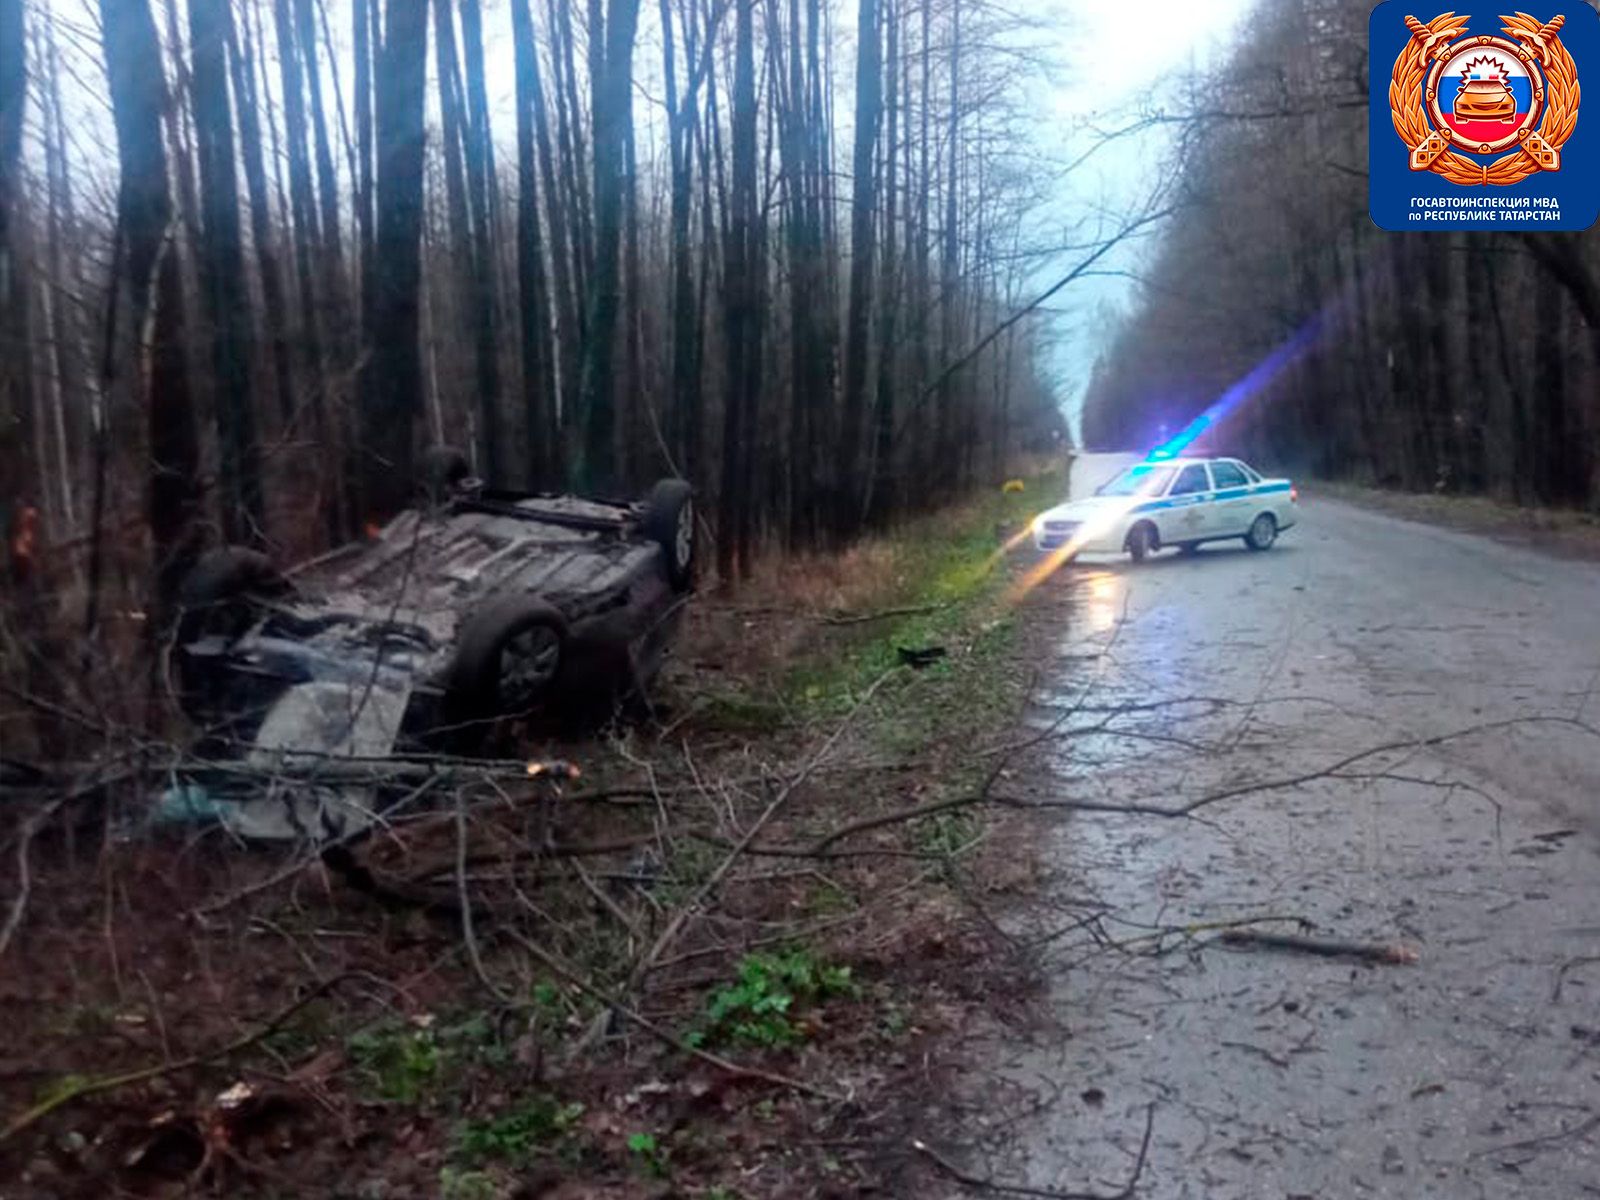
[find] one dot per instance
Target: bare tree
(155, 370)
(222, 273)
(391, 393)
(611, 57)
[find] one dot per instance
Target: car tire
(509, 656)
(1263, 532)
(215, 596)
(1141, 541)
(441, 473)
(669, 522)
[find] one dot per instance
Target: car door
(1186, 515)
(1231, 507)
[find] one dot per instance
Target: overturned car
(475, 605)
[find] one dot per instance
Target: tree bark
(222, 276)
(391, 385)
(154, 297)
(741, 312)
(242, 51)
(17, 488)
(484, 207)
(538, 386)
(863, 251)
(613, 122)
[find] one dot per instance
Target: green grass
(518, 1134)
(412, 1063)
(758, 1008)
(951, 565)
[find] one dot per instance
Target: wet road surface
(1474, 840)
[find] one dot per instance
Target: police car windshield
(1142, 480)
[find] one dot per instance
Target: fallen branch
(1337, 770)
(681, 918)
(990, 1184)
(886, 614)
(19, 903)
(79, 1088)
(1376, 952)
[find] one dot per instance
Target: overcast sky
(1121, 55)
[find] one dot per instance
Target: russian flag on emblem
(1491, 97)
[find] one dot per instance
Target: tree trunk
(365, 36)
(332, 260)
(863, 250)
(154, 295)
(391, 384)
(241, 54)
(740, 315)
(538, 389)
(485, 226)
(222, 275)
(879, 496)
(17, 488)
(947, 450)
(462, 281)
(302, 203)
(613, 121)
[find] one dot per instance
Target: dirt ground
(1382, 733)
(659, 978)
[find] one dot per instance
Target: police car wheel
(1141, 542)
(1263, 532)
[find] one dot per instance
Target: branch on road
(1376, 952)
(1336, 770)
(990, 1184)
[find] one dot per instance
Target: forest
(762, 246)
(1454, 362)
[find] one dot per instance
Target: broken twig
(990, 1184)
(1376, 952)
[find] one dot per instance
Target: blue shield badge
(1475, 120)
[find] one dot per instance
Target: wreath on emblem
(1414, 96)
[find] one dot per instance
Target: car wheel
(444, 470)
(1141, 542)
(1263, 532)
(669, 522)
(508, 658)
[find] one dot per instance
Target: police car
(1183, 502)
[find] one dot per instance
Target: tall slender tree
(863, 252)
(613, 124)
(16, 372)
(538, 384)
(155, 371)
(241, 53)
(391, 391)
(483, 202)
(742, 315)
(222, 274)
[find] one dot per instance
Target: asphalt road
(1474, 840)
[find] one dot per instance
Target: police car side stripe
(1225, 494)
